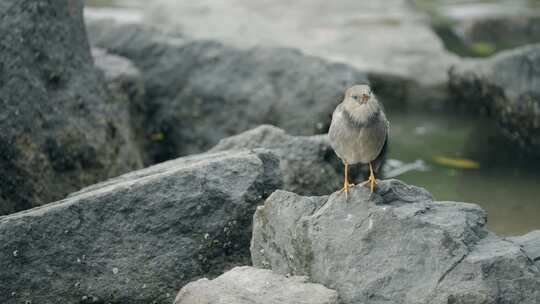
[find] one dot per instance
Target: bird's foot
(372, 182)
(346, 187)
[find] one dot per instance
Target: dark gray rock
(248, 285)
(140, 237)
(58, 131)
(308, 164)
(506, 87)
(125, 95)
(198, 92)
(398, 247)
(530, 242)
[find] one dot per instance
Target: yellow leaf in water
(157, 136)
(456, 162)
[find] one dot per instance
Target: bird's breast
(357, 143)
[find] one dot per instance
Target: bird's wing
(379, 161)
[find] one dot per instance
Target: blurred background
(458, 149)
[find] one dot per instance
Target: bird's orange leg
(346, 184)
(371, 180)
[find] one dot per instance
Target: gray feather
(358, 140)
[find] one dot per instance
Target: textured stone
(398, 247)
(247, 285)
(506, 87)
(140, 237)
(125, 95)
(308, 164)
(530, 242)
(59, 133)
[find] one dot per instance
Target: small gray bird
(359, 131)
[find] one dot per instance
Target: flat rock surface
(247, 285)
(140, 237)
(400, 246)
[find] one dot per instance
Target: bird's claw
(372, 183)
(346, 187)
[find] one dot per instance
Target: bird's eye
(354, 97)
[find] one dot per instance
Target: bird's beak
(365, 97)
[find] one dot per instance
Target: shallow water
(507, 190)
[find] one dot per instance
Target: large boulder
(308, 164)
(399, 246)
(59, 133)
(198, 92)
(248, 285)
(140, 237)
(506, 87)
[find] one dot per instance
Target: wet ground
(473, 171)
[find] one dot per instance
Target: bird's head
(359, 94)
(360, 102)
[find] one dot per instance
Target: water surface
(506, 188)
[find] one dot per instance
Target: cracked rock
(400, 246)
(530, 242)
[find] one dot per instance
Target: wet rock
(506, 87)
(246, 285)
(530, 242)
(140, 237)
(201, 91)
(308, 164)
(58, 131)
(398, 247)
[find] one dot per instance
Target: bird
(358, 132)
